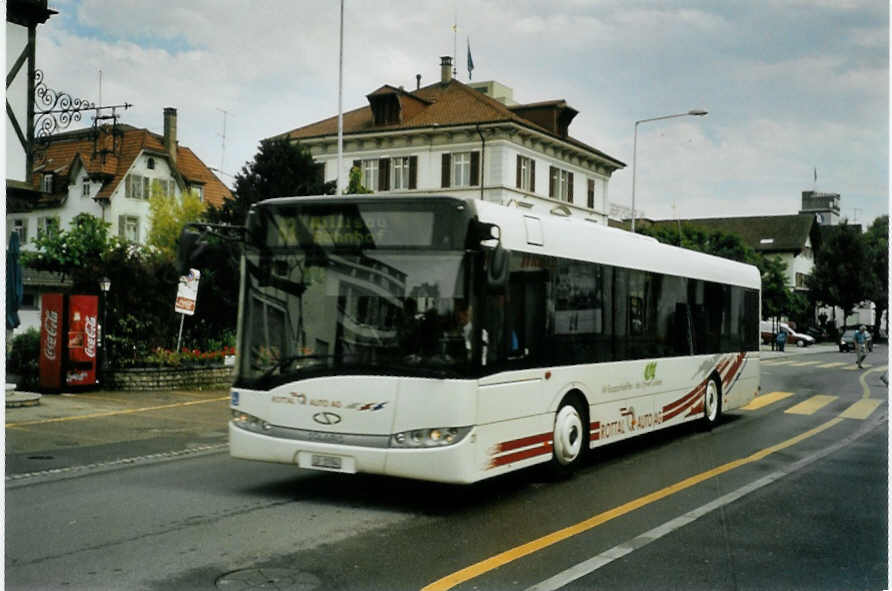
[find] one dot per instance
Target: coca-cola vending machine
(68, 361)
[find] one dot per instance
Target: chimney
(445, 69)
(170, 133)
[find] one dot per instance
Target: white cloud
(788, 86)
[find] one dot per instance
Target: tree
(840, 277)
(356, 187)
(722, 244)
(77, 253)
(776, 296)
(877, 243)
(281, 168)
(167, 216)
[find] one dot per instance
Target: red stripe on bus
(521, 455)
(684, 400)
(689, 400)
(522, 442)
(594, 431)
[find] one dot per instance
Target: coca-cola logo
(90, 329)
(51, 328)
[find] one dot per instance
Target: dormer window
(46, 183)
(385, 109)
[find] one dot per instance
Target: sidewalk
(101, 427)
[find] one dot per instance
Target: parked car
(767, 327)
(847, 341)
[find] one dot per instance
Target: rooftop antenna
(223, 135)
(855, 211)
(100, 88)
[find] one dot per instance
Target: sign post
(187, 294)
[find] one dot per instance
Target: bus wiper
(285, 362)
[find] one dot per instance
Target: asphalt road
(789, 494)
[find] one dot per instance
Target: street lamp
(692, 113)
(104, 287)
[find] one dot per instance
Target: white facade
(128, 215)
(122, 212)
(499, 148)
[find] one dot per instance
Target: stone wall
(168, 378)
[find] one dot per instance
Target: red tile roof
(448, 104)
(66, 149)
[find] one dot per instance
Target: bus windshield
(320, 312)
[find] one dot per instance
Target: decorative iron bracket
(55, 111)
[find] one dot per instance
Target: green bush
(23, 359)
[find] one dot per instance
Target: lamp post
(691, 113)
(104, 287)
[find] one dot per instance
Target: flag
(470, 61)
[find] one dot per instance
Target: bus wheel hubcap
(712, 398)
(567, 435)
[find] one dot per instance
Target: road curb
(55, 474)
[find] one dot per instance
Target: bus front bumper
(452, 464)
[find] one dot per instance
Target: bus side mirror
(497, 268)
(190, 249)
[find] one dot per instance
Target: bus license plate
(329, 462)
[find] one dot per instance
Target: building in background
(109, 172)
(467, 140)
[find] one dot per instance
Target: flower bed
(187, 369)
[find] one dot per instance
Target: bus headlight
(436, 437)
(249, 422)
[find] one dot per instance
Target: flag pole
(340, 174)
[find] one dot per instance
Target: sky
(795, 89)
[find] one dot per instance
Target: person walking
(781, 339)
(861, 344)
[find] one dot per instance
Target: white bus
(453, 340)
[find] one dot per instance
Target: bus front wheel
(712, 403)
(570, 437)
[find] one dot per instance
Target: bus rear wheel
(712, 403)
(570, 438)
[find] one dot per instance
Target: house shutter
(532, 176)
(475, 169)
(384, 174)
(413, 172)
(128, 187)
(591, 193)
(121, 226)
(446, 169)
(569, 187)
(552, 171)
(518, 172)
(146, 188)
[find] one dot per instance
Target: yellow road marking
(834, 364)
(804, 363)
(854, 367)
(778, 362)
(812, 405)
(861, 409)
(115, 412)
(92, 397)
(766, 399)
(503, 558)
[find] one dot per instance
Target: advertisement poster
(187, 293)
